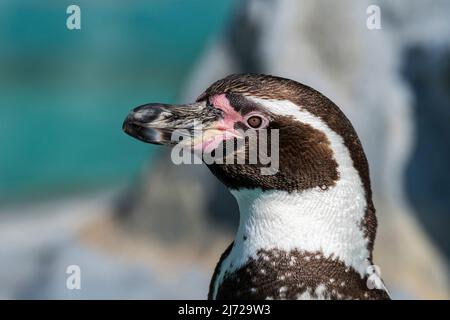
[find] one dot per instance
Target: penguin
(307, 231)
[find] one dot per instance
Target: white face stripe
(328, 221)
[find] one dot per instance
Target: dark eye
(254, 121)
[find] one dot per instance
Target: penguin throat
(316, 220)
(313, 221)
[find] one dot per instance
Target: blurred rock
(183, 203)
(41, 241)
(427, 69)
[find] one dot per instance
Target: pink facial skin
(231, 116)
(226, 125)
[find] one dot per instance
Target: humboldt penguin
(306, 230)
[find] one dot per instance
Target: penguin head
(316, 150)
(294, 123)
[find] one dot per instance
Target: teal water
(64, 94)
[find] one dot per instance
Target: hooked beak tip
(160, 123)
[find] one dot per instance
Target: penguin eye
(255, 121)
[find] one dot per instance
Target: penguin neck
(327, 222)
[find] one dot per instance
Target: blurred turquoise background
(64, 93)
(74, 189)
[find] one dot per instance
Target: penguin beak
(196, 123)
